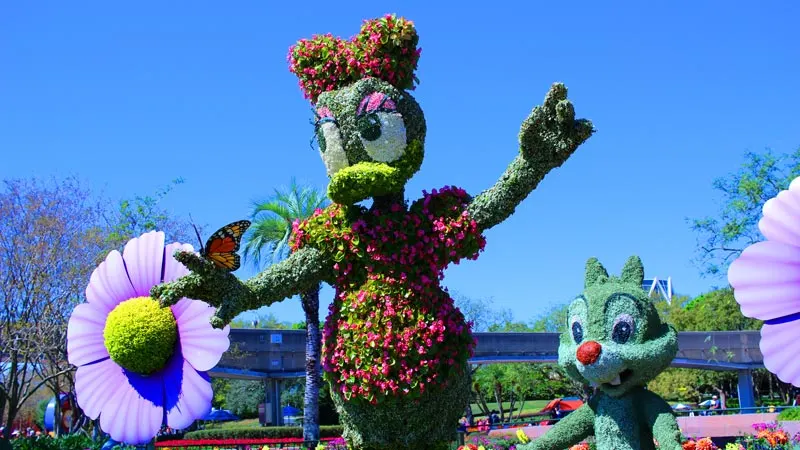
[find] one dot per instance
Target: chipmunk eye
(623, 329)
(577, 330)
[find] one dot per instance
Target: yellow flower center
(140, 335)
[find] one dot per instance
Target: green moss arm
(567, 432)
(299, 272)
(547, 138)
(661, 419)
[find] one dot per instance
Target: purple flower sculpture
(766, 283)
(141, 366)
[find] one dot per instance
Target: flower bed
(700, 444)
(329, 443)
(767, 436)
(761, 436)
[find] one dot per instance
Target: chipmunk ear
(633, 271)
(386, 48)
(595, 273)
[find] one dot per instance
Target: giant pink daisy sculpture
(141, 366)
(766, 283)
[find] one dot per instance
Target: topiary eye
(369, 127)
(381, 127)
(623, 329)
(577, 331)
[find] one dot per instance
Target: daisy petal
(202, 345)
(94, 383)
(85, 334)
(781, 221)
(109, 284)
(775, 339)
(172, 268)
(143, 258)
(132, 413)
(766, 280)
(194, 401)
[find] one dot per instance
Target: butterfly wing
(222, 246)
(227, 261)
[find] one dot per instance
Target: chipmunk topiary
(395, 348)
(616, 341)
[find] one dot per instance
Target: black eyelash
(311, 142)
(380, 108)
(318, 123)
(315, 124)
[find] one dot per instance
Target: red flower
(705, 444)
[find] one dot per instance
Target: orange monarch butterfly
(222, 246)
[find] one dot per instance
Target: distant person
(462, 425)
(715, 405)
(796, 401)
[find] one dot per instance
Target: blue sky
(129, 97)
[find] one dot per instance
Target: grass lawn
(530, 407)
(234, 424)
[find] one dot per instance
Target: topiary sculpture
(617, 342)
(395, 346)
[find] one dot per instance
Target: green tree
(554, 321)
(294, 393)
(671, 311)
(242, 397)
(723, 236)
(133, 217)
(515, 383)
(267, 240)
(510, 326)
(715, 310)
(691, 385)
(263, 321)
(220, 387)
(488, 384)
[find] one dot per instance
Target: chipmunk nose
(588, 352)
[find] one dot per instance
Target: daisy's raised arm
(302, 270)
(549, 136)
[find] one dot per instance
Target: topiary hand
(551, 134)
(548, 137)
(217, 287)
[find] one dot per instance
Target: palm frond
(268, 237)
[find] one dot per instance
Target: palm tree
(268, 239)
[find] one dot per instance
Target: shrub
(789, 414)
(494, 443)
(260, 432)
(71, 442)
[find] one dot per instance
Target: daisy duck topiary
(616, 341)
(395, 348)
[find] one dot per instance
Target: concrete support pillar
(746, 398)
(268, 418)
(274, 391)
